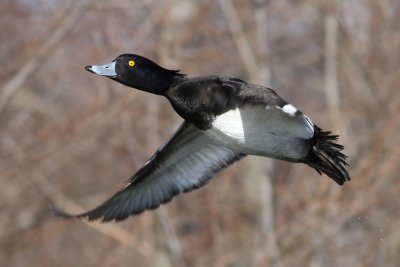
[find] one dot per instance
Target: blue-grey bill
(104, 70)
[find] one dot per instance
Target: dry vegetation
(70, 137)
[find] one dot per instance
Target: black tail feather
(325, 156)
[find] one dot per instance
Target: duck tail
(325, 156)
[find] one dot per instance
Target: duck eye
(131, 63)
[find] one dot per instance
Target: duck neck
(159, 84)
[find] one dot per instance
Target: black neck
(159, 83)
(155, 80)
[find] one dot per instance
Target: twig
(111, 230)
(331, 83)
(242, 44)
(171, 237)
(56, 35)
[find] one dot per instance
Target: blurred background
(72, 138)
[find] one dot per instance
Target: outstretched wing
(188, 161)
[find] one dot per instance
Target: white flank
(269, 131)
(289, 109)
(230, 124)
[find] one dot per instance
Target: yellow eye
(131, 63)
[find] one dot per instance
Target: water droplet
(382, 239)
(381, 230)
(359, 217)
(366, 217)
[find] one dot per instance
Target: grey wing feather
(188, 161)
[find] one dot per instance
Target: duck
(225, 119)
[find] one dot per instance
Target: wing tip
(94, 215)
(58, 212)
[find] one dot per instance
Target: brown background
(72, 138)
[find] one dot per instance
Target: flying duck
(225, 119)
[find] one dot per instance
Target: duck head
(138, 72)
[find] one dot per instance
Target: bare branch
(55, 36)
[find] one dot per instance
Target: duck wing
(188, 161)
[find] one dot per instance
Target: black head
(138, 72)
